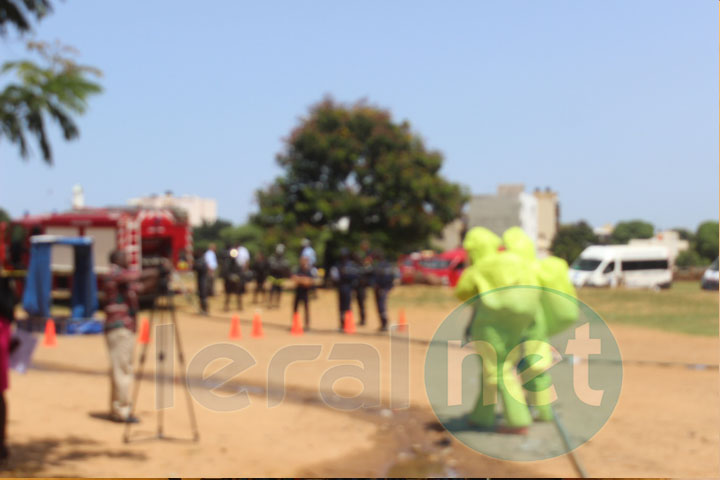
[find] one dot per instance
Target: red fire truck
(147, 235)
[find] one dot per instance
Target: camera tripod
(162, 303)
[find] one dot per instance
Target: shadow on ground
(55, 454)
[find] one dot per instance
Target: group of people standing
(238, 271)
(352, 274)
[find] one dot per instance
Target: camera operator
(121, 288)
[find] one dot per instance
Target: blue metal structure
(38, 284)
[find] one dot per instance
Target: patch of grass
(426, 295)
(683, 308)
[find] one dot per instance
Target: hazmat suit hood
(480, 243)
(519, 243)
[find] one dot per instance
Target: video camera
(163, 269)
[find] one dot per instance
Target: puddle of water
(421, 466)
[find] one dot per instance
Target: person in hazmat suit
(558, 311)
(501, 316)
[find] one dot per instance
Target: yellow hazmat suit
(499, 323)
(558, 311)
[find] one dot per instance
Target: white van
(627, 265)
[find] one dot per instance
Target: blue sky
(614, 104)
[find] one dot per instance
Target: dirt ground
(665, 424)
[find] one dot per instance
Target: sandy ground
(665, 424)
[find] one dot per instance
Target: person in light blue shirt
(211, 264)
(308, 251)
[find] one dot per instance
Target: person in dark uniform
(330, 260)
(365, 277)
(260, 269)
(201, 274)
(233, 280)
(384, 274)
(279, 270)
(345, 275)
(304, 277)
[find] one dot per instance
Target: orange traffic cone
(349, 324)
(257, 330)
(297, 328)
(144, 334)
(235, 333)
(402, 322)
(50, 339)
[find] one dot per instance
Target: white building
(198, 209)
(536, 213)
(510, 207)
(667, 238)
(603, 233)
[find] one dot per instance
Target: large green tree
(624, 231)
(351, 173)
(689, 258)
(706, 240)
(571, 239)
(56, 88)
(16, 13)
(248, 235)
(209, 232)
(685, 234)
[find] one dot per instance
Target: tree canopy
(570, 240)
(706, 240)
(208, 233)
(248, 235)
(57, 88)
(685, 234)
(624, 231)
(16, 13)
(351, 173)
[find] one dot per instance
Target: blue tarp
(84, 327)
(36, 297)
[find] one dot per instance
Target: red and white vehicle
(146, 235)
(433, 268)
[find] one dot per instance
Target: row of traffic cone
(349, 323)
(236, 332)
(297, 328)
(50, 339)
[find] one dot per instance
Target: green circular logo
(523, 373)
